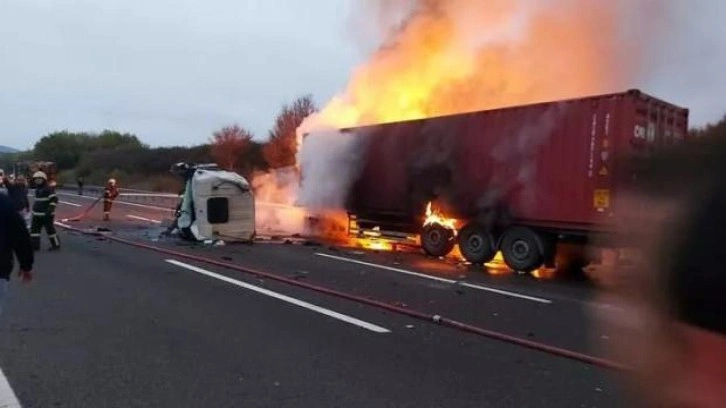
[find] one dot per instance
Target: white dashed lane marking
(7, 395)
(438, 279)
(293, 301)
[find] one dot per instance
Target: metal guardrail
(151, 198)
(95, 188)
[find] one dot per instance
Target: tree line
(97, 156)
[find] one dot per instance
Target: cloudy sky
(173, 71)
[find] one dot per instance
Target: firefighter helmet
(40, 175)
(112, 181)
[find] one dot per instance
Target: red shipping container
(548, 166)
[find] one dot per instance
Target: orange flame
(451, 56)
(374, 244)
(435, 217)
(545, 273)
(497, 266)
(439, 57)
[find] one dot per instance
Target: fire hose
(85, 212)
(428, 317)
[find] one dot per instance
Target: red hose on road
(85, 212)
(455, 324)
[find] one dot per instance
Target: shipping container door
(614, 114)
(556, 143)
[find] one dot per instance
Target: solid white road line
(69, 203)
(438, 279)
(7, 395)
(387, 268)
(284, 298)
(136, 217)
(505, 292)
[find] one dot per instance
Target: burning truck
(520, 180)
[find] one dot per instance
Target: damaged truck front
(215, 204)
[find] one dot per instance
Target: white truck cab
(216, 204)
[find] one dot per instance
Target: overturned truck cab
(215, 205)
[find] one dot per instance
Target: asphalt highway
(108, 324)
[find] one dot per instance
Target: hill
(6, 149)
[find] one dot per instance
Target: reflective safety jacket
(45, 201)
(110, 192)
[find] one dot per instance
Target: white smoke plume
(275, 192)
(330, 161)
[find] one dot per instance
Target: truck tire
(437, 241)
(476, 244)
(522, 249)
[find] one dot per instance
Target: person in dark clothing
(44, 212)
(23, 193)
(14, 240)
(18, 193)
(80, 185)
(3, 179)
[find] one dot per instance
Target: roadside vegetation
(98, 156)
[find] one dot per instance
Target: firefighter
(109, 194)
(44, 212)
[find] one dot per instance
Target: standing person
(17, 192)
(23, 193)
(14, 240)
(22, 197)
(109, 194)
(80, 185)
(3, 190)
(44, 212)
(5, 182)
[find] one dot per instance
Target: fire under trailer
(521, 180)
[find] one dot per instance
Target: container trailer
(519, 180)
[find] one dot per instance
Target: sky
(174, 71)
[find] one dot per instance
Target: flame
(439, 57)
(374, 244)
(497, 266)
(436, 217)
(451, 56)
(372, 240)
(545, 273)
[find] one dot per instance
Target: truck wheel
(476, 244)
(523, 249)
(437, 240)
